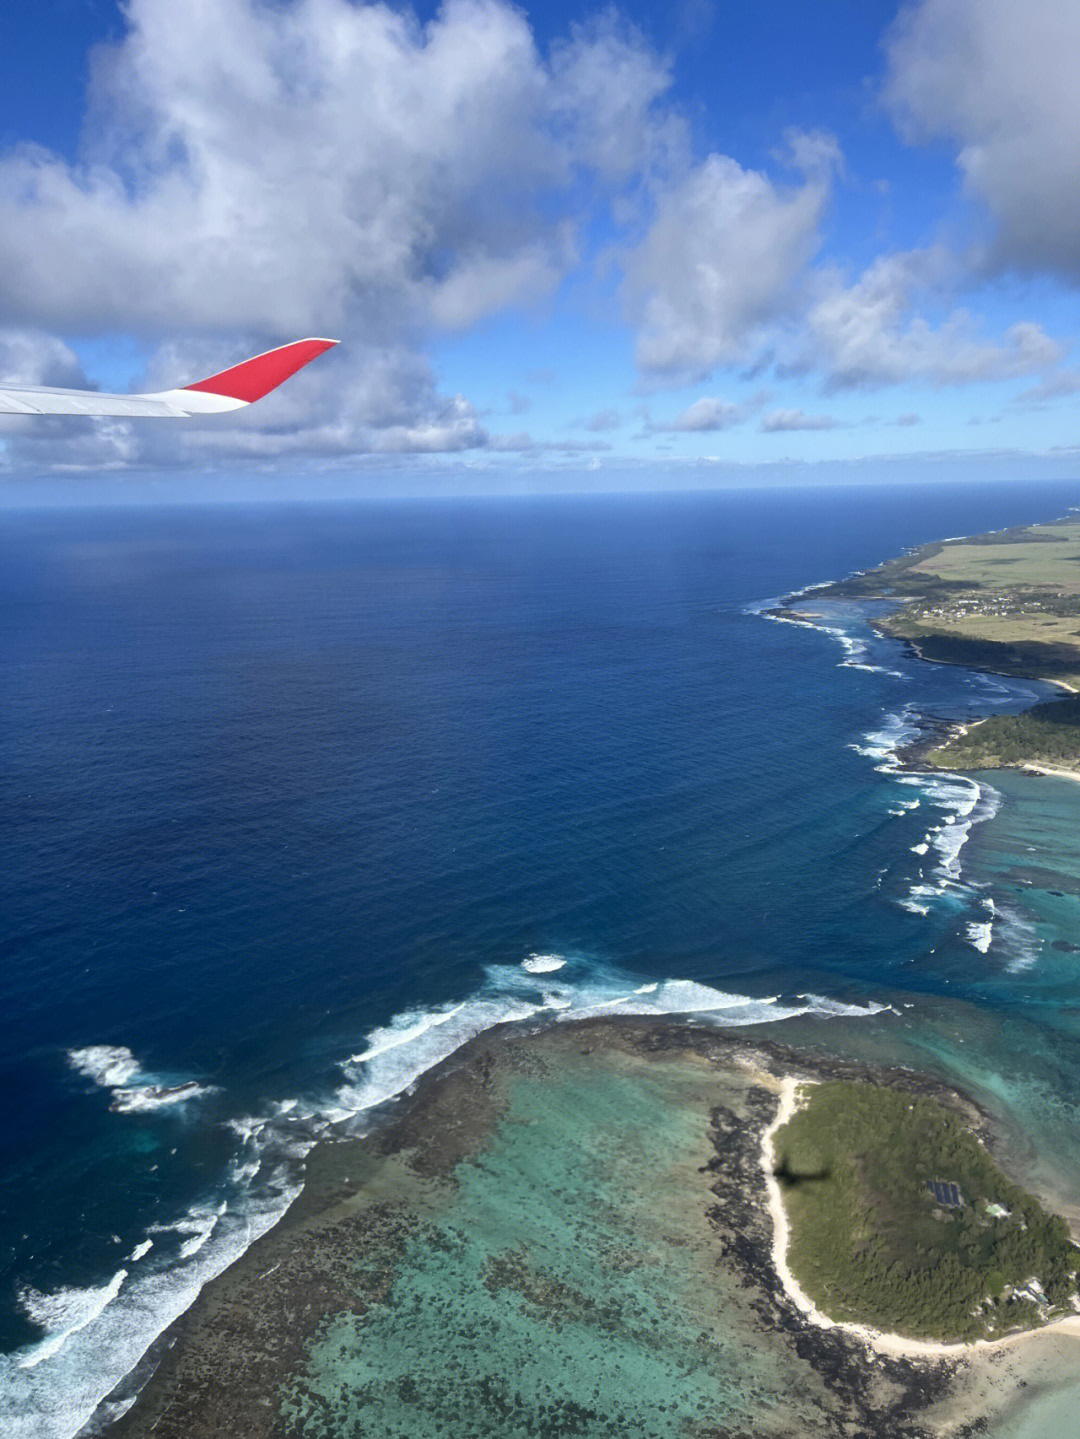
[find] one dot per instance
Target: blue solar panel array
(946, 1193)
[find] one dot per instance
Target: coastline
(368, 1200)
(883, 631)
(917, 756)
(920, 752)
(950, 602)
(780, 914)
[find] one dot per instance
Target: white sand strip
(1050, 770)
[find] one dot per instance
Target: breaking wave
(959, 801)
(397, 1054)
(114, 1067)
(543, 963)
(109, 1065)
(962, 804)
(96, 1336)
(897, 729)
(855, 646)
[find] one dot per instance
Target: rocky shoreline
(936, 730)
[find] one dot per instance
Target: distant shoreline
(919, 755)
(948, 596)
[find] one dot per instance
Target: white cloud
(379, 400)
(1054, 387)
(999, 80)
(784, 420)
(723, 259)
(454, 428)
(29, 357)
(868, 333)
(481, 284)
(602, 420)
(706, 414)
(260, 171)
(255, 172)
(315, 164)
(524, 444)
(605, 85)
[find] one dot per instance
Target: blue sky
(646, 246)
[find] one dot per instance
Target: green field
(871, 1244)
(1028, 558)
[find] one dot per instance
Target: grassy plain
(869, 1242)
(1034, 557)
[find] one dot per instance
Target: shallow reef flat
(560, 1232)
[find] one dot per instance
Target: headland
(1007, 602)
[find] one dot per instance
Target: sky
(641, 246)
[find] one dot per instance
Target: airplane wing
(232, 389)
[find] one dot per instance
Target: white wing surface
(231, 389)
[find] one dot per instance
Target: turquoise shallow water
(1011, 1036)
(1030, 858)
(1005, 1022)
(569, 1287)
(1050, 1413)
(1023, 1055)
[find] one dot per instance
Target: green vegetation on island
(1007, 602)
(873, 1242)
(1048, 734)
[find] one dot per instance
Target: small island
(1006, 602)
(901, 1220)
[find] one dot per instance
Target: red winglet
(254, 378)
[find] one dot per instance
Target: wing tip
(251, 379)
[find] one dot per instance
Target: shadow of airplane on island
(791, 1178)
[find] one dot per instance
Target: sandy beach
(1051, 771)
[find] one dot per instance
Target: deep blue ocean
(298, 798)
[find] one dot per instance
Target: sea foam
(897, 728)
(399, 1053)
(964, 803)
(1017, 940)
(106, 1064)
(65, 1313)
(855, 647)
(135, 1099)
(543, 963)
(960, 801)
(96, 1336)
(114, 1067)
